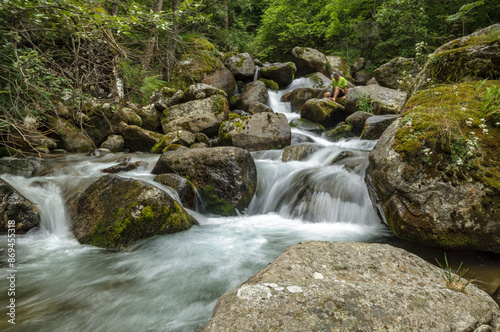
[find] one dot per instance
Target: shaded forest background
(67, 51)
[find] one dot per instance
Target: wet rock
(382, 100)
(308, 125)
(262, 131)
(225, 177)
(139, 139)
(357, 121)
(496, 295)
(100, 152)
(399, 73)
(282, 73)
(342, 130)
(309, 60)
(181, 137)
(223, 80)
(31, 139)
(299, 152)
(241, 66)
(113, 143)
(376, 125)
(183, 187)
(122, 167)
(323, 111)
(348, 286)
(197, 116)
(254, 92)
(299, 97)
(16, 211)
(114, 212)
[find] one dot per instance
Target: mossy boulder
(181, 137)
(113, 143)
(309, 60)
(282, 73)
(474, 56)
(197, 116)
(114, 212)
(165, 97)
(348, 286)
(308, 125)
(201, 91)
(270, 84)
(262, 131)
(183, 187)
(68, 136)
(435, 172)
(150, 117)
(399, 73)
(300, 96)
(342, 130)
(323, 111)
(140, 139)
(257, 107)
(28, 140)
(241, 66)
(339, 65)
(16, 211)
(222, 79)
(254, 92)
(225, 177)
(381, 100)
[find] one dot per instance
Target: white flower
(460, 162)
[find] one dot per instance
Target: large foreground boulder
(348, 286)
(381, 100)
(262, 131)
(282, 73)
(225, 177)
(435, 173)
(323, 111)
(114, 212)
(16, 211)
(197, 116)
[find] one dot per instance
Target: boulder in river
(376, 125)
(114, 212)
(323, 111)
(310, 60)
(225, 177)
(282, 73)
(348, 286)
(16, 212)
(380, 100)
(254, 92)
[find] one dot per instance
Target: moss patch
(213, 203)
(270, 84)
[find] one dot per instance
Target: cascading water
(172, 282)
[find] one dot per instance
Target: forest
(65, 51)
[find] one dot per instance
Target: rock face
(382, 100)
(309, 60)
(223, 80)
(376, 125)
(16, 210)
(114, 212)
(241, 66)
(197, 116)
(282, 73)
(474, 56)
(346, 286)
(255, 92)
(139, 139)
(68, 136)
(397, 73)
(262, 131)
(323, 111)
(225, 177)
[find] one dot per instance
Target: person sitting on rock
(339, 88)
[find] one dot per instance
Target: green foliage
(491, 103)
(455, 280)
(365, 104)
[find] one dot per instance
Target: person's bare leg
(336, 93)
(327, 95)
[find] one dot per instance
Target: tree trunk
(226, 15)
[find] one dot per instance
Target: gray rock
(241, 66)
(372, 81)
(257, 107)
(323, 111)
(399, 73)
(30, 139)
(139, 139)
(307, 125)
(339, 65)
(383, 100)
(114, 212)
(300, 96)
(201, 91)
(225, 177)
(362, 77)
(342, 130)
(151, 118)
(376, 125)
(183, 187)
(165, 97)
(16, 211)
(262, 131)
(299, 152)
(68, 136)
(357, 121)
(223, 80)
(358, 65)
(254, 92)
(309, 60)
(282, 73)
(122, 167)
(347, 286)
(197, 116)
(113, 143)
